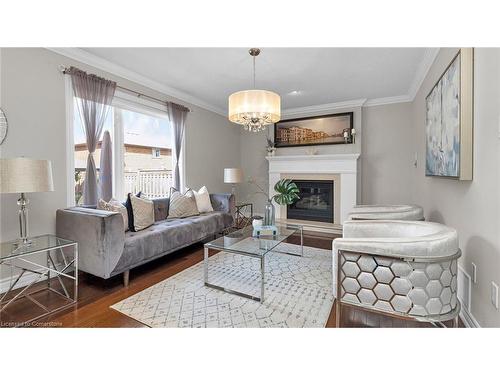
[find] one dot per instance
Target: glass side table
(47, 258)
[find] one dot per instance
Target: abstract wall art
(449, 120)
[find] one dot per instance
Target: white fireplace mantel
(345, 166)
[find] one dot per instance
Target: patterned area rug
(298, 293)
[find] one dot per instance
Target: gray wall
(386, 154)
(472, 207)
(33, 96)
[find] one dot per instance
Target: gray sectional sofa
(106, 250)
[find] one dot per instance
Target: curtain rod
(65, 70)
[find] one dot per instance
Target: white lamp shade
(247, 104)
(23, 175)
(233, 175)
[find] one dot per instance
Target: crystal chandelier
(254, 109)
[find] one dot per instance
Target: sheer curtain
(177, 115)
(94, 95)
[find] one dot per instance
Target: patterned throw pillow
(202, 198)
(114, 206)
(182, 205)
(143, 210)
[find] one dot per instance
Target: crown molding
(322, 108)
(422, 70)
(118, 70)
(388, 100)
(105, 65)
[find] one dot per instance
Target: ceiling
(302, 76)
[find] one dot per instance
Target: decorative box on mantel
(342, 169)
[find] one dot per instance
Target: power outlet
(474, 273)
(494, 294)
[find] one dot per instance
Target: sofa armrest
(100, 236)
(224, 203)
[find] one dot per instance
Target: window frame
(121, 100)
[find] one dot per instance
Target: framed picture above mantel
(449, 120)
(315, 131)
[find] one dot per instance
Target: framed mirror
(3, 126)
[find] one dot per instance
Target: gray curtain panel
(177, 115)
(95, 95)
(106, 169)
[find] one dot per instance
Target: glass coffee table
(242, 242)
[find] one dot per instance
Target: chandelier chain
(254, 72)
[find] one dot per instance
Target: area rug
(298, 293)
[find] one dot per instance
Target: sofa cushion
(166, 236)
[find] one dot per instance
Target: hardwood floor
(97, 295)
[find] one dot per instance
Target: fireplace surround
(341, 169)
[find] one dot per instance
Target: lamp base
(23, 240)
(233, 191)
(22, 243)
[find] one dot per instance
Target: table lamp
(233, 176)
(23, 175)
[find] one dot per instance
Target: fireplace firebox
(315, 203)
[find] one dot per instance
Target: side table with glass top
(47, 258)
(242, 242)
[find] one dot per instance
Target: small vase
(269, 214)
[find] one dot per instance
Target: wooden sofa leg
(126, 275)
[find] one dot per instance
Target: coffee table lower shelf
(261, 258)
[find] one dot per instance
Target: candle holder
(349, 135)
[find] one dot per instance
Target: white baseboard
(468, 319)
(464, 283)
(26, 279)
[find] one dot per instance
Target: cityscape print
(319, 130)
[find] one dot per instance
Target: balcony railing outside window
(155, 183)
(152, 183)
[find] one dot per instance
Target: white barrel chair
(386, 212)
(400, 268)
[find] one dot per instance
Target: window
(144, 136)
(156, 153)
(142, 150)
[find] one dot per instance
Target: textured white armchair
(387, 212)
(400, 268)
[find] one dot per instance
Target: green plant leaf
(287, 192)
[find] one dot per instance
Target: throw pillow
(143, 210)
(114, 206)
(202, 198)
(130, 213)
(182, 205)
